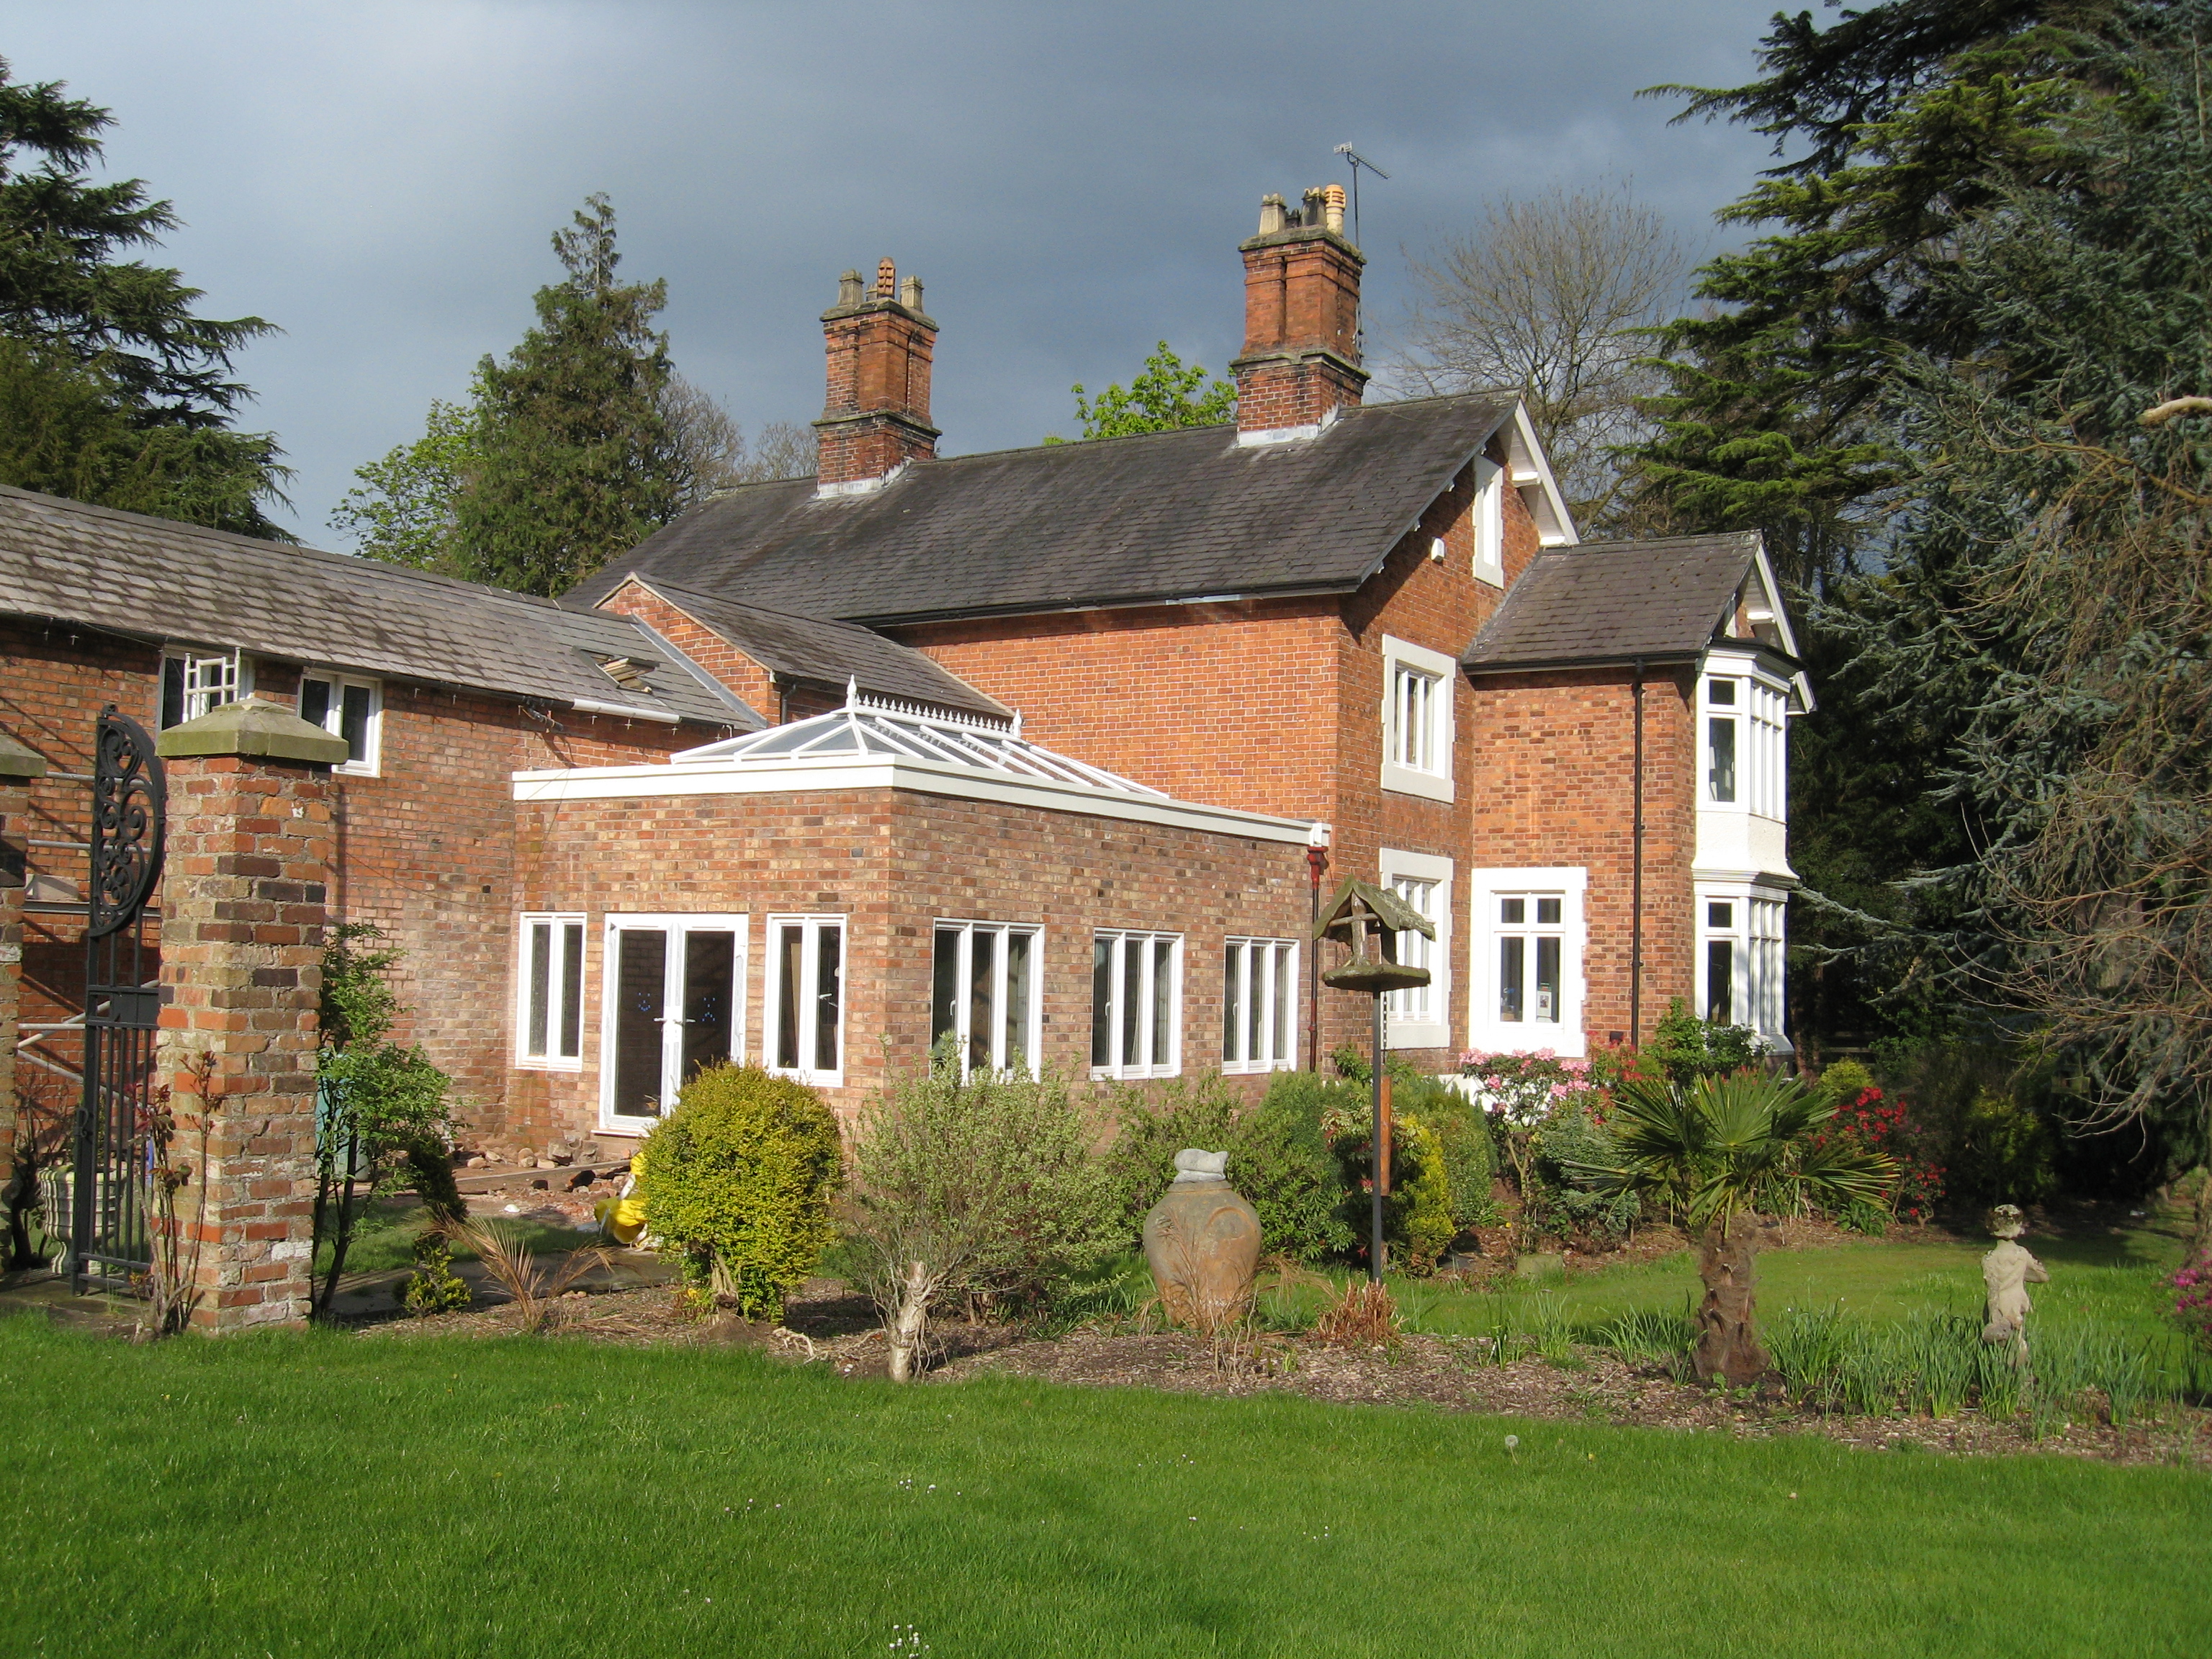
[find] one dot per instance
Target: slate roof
(828, 654)
(123, 573)
(1169, 515)
(1608, 602)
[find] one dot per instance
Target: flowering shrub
(1522, 1092)
(1872, 1122)
(2192, 1300)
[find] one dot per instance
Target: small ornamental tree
(738, 1182)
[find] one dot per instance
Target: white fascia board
(898, 772)
(1527, 463)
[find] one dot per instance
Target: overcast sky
(1070, 181)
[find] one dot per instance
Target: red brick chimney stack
(1301, 355)
(876, 418)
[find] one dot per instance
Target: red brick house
(1041, 749)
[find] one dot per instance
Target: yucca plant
(1713, 1151)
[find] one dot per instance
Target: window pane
(1723, 735)
(572, 990)
(1256, 1004)
(1017, 1000)
(541, 986)
(710, 968)
(829, 995)
(314, 700)
(1512, 912)
(172, 691)
(1286, 1022)
(1133, 1001)
(1511, 962)
(1547, 979)
(1719, 916)
(1548, 913)
(1720, 981)
(1101, 1002)
(1721, 693)
(790, 954)
(354, 722)
(1163, 1046)
(982, 988)
(640, 981)
(944, 986)
(1233, 1021)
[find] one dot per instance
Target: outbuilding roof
(1190, 515)
(156, 580)
(1608, 602)
(825, 653)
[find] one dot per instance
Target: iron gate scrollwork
(121, 1007)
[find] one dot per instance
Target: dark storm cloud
(1069, 182)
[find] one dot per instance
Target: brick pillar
(244, 898)
(18, 766)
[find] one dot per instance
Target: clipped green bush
(1845, 1081)
(1280, 1160)
(2006, 1153)
(1425, 1191)
(738, 1181)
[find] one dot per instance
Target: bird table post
(1362, 910)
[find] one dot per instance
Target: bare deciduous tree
(712, 447)
(1546, 295)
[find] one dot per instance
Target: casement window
(1417, 719)
(983, 993)
(803, 1014)
(1259, 1005)
(549, 1014)
(1527, 960)
(1136, 1004)
(194, 682)
(1420, 1017)
(674, 995)
(1490, 523)
(1747, 758)
(348, 707)
(1740, 958)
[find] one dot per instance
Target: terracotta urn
(1202, 1243)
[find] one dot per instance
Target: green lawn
(323, 1494)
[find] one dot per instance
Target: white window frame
(366, 764)
(1149, 1062)
(1005, 1018)
(1756, 935)
(1759, 716)
(807, 1031)
(1267, 969)
(1570, 884)
(675, 924)
(211, 678)
(1433, 780)
(1489, 525)
(1420, 1018)
(563, 927)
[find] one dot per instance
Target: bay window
(1740, 958)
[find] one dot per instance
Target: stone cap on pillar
(257, 729)
(17, 762)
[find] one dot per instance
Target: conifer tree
(112, 388)
(575, 461)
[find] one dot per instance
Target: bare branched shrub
(1546, 295)
(715, 452)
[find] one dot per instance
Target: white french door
(674, 1003)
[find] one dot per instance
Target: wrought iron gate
(108, 1238)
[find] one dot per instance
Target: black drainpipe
(1316, 861)
(1635, 879)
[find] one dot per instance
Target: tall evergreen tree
(575, 460)
(114, 389)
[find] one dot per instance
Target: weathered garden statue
(1202, 1243)
(2007, 1272)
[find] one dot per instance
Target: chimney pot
(1332, 216)
(848, 288)
(1273, 215)
(910, 293)
(886, 279)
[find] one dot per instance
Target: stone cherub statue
(2007, 1271)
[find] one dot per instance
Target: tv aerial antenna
(1357, 161)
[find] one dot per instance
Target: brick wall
(894, 863)
(740, 674)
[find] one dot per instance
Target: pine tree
(575, 459)
(114, 389)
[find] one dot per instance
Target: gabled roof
(156, 580)
(1144, 520)
(1616, 602)
(827, 654)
